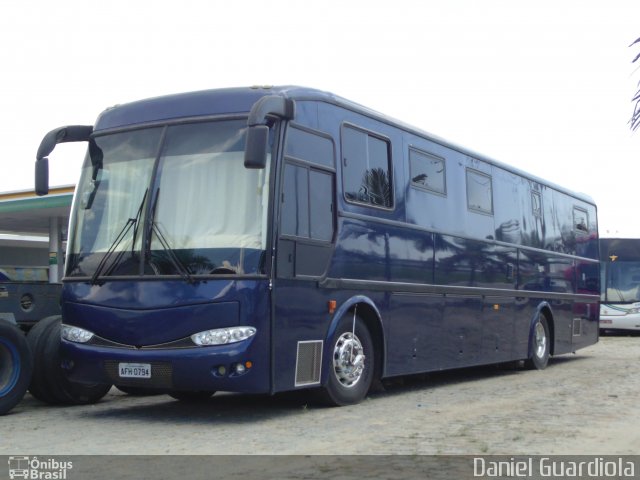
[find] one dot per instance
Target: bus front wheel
(351, 364)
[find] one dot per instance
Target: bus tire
(351, 367)
(50, 383)
(540, 345)
(16, 366)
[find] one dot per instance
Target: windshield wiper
(131, 222)
(173, 258)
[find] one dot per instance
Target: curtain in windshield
(210, 208)
(185, 189)
(111, 193)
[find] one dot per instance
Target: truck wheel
(50, 383)
(36, 338)
(540, 345)
(71, 393)
(351, 364)
(16, 366)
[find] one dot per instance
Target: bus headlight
(223, 336)
(76, 334)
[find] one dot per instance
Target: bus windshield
(173, 200)
(622, 282)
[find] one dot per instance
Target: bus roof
(240, 100)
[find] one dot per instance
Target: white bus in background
(620, 283)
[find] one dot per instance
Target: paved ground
(581, 404)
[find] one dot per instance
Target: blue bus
(620, 280)
(270, 239)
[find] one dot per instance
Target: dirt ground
(585, 403)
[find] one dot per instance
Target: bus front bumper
(235, 368)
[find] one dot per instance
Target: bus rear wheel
(351, 364)
(16, 366)
(540, 345)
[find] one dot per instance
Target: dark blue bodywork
(439, 285)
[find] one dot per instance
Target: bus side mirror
(42, 176)
(71, 133)
(255, 152)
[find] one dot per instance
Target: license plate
(134, 370)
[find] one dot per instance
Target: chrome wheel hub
(541, 341)
(348, 359)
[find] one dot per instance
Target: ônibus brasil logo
(38, 469)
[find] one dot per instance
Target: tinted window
(307, 203)
(320, 205)
(427, 172)
(479, 192)
(295, 208)
(366, 171)
(309, 147)
(580, 220)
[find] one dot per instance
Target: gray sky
(544, 85)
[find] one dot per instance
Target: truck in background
(25, 298)
(30, 305)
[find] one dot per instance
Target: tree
(635, 118)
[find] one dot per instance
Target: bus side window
(304, 248)
(479, 192)
(580, 221)
(427, 172)
(307, 203)
(366, 168)
(320, 205)
(307, 211)
(295, 201)
(307, 195)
